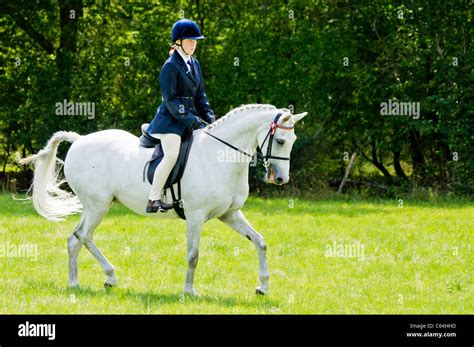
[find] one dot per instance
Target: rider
(183, 101)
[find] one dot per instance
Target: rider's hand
(198, 124)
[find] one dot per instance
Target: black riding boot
(157, 205)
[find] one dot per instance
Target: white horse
(106, 167)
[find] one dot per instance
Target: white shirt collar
(185, 58)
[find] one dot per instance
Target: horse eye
(280, 141)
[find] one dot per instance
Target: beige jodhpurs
(170, 144)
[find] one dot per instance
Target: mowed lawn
(325, 257)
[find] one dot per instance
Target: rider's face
(189, 46)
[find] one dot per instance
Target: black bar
(325, 330)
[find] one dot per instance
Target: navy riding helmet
(185, 29)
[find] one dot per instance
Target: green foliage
(337, 60)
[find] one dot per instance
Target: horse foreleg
(237, 221)
(193, 236)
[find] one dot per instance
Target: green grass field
(411, 259)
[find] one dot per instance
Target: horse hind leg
(92, 218)
(74, 246)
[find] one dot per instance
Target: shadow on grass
(153, 298)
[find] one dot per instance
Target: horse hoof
(259, 292)
(192, 294)
(108, 286)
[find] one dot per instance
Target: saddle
(148, 141)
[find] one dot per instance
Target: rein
(270, 135)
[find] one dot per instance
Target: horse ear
(299, 116)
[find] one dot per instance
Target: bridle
(270, 135)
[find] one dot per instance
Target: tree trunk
(417, 159)
(70, 14)
(378, 164)
(396, 164)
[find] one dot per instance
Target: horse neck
(242, 130)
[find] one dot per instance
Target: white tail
(49, 200)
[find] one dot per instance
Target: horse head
(276, 145)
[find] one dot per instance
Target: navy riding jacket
(183, 98)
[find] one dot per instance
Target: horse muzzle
(273, 177)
